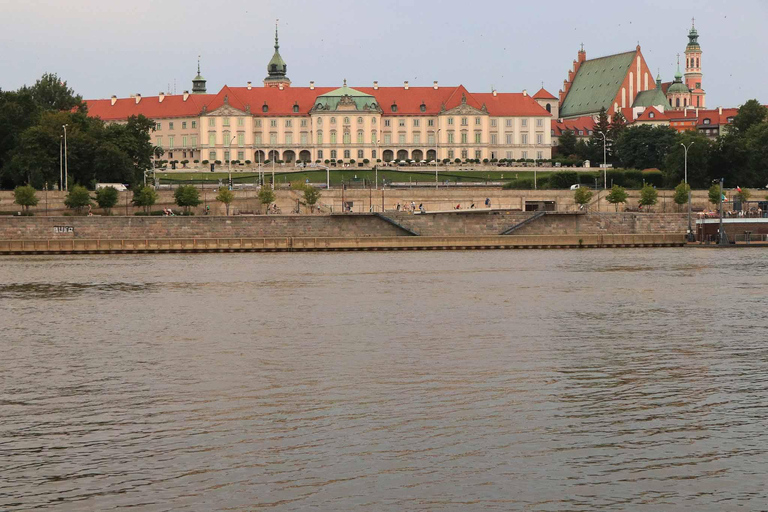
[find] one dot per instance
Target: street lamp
(66, 169)
(437, 151)
(690, 237)
(61, 162)
(229, 161)
(605, 162)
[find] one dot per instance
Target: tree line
(740, 154)
(32, 135)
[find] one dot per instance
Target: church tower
(277, 68)
(198, 83)
(693, 68)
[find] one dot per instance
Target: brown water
(499, 380)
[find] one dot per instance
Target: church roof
(596, 84)
(650, 98)
(543, 94)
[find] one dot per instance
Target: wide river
(631, 379)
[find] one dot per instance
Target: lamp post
(66, 169)
(376, 164)
(723, 239)
(229, 161)
(61, 162)
(605, 161)
(690, 237)
(437, 151)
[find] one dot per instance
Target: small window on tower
(265, 108)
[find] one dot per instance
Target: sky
(106, 47)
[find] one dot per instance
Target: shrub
(187, 196)
(106, 198)
(648, 196)
(520, 184)
(582, 196)
(144, 197)
(617, 195)
(225, 196)
(563, 179)
(266, 196)
(25, 197)
(78, 198)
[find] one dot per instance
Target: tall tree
(644, 147)
(699, 156)
(566, 144)
(750, 114)
(52, 93)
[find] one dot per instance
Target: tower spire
(277, 69)
(198, 65)
(198, 83)
(277, 45)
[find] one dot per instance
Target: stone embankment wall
(364, 200)
(339, 225)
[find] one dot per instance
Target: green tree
(266, 196)
(602, 126)
(52, 93)
(187, 196)
(582, 196)
(648, 197)
(644, 147)
(566, 144)
(743, 196)
(681, 194)
(617, 195)
(750, 114)
(25, 197)
(311, 197)
(715, 193)
(144, 197)
(78, 198)
(699, 159)
(106, 198)
(225, 196)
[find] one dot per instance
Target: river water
(453, 381)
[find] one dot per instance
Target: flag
(738, 189)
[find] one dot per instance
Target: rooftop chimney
(494, 92)
(138, 98)
(311, 84)
(375, 85)
(250, 86)
(434, 85)
(525, 92)
(114, 99)
(280, 87)
(720, 110)
(405, 85)
(186, 95)
(160, 96)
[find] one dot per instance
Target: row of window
(159, 125)
(172, 141)
(361, 154)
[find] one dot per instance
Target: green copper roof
(651, 98)
(678, 85)
(693, 38)
(277, 66)
(331, 100)
(596, 84)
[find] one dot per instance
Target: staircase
(395, 223)
(527, 221)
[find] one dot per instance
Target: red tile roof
(281, 102)
(584, 124)
(657, 116)
(543, 94)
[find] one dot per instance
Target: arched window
(549, 108)
(677, 102)
(296, 108)
(685, 102)
(333, 136)
(697, 62)
(360, 136)
(265, 107)
(423, 107)
(347, 138)
(394, 107)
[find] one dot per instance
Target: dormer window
(707, 121)
(394, 107)
(295, 108)
(651, 115)
(265, 107)
(730, 119)
(423, 107)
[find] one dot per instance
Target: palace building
(281, 122)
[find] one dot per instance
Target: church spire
(198, 83)
(277, 68)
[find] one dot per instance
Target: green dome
(277, 66)
(678, 87)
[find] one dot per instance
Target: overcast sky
(105, 47)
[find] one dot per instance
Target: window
(394, 108)
(478, 154)
(359, 120)
(423, 107)
(494, 122)
(319, 121)
(289, 138)
(386, 122)
(159, 141)
(430, 122)
(273, 138)
(464, 121)
(265, 108)
(258, 124)
(509, 155)
(539, 138)
(401, 122)
(360, 137)
(450, 137)
(373, 153)
(359, 153)
(303, 123)
(240, 121)
(273, 123)
(320, 154)
(525, 155)
(346, 153)
(373, 121)
(509, 123)
(524, 138)
(347, 138)
(523, 123)
(333, 154)
(287, 123)
(581, 132)
(450, 120)
(539, 123)
(431, 139)
(509, 139)
(241, 155)
(416, 123)
(333, 120)
(707, 121)
(303, 138)
(477, 121)
(227, 138)
(464, 137)
(194, 141)
(194, 124)
(464, 154)
(183, 125)
(450, 154)
(477, 137)
(589, 132)
(226, 156)
(320, 136)
(295, 109)
(651, 115)
(333, 137)
(346, 120)
(539, 155)
(241, 139)
(158, 126)
(373, 137)
(494, 139)
(211, 139)
(212, 122)
(387, 139)
(417, 138)
(225, 121)
(401, 138)
(184, 141)
(170, 125)
(212, 156)
(257, 139)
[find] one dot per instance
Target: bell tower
(198, 83)
(693, 73)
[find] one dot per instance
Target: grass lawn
(346, 176)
